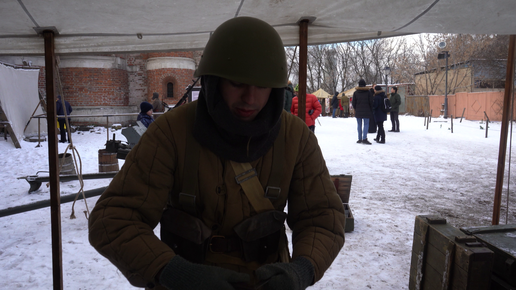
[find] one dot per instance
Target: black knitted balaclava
(227, 136)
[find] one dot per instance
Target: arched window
(170, 90)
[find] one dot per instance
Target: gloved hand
(182, 274)
(296, 275)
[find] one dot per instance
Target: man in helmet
(224, 177)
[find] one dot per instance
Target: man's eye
(235, 84)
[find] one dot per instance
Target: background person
(145, 115)
(60, 111)
(362, 104)
(313, 108)
(335, 103)
(289, 95)
(395, 109)
(380, 115)
(157, 104)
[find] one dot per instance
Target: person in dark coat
(145, 115)
(362, 103)
(157, 104)
(335, 103)
(289, 95)
(379, 115)
(62, 121)
(395, 109)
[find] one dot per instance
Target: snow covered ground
(418, 171)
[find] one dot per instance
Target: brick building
(118, 83)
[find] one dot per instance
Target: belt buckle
(211, 239)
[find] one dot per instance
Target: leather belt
(221, 244)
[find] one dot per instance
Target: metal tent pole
(303, 57)
(509, 80)
(55, 208)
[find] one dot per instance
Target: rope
(72, 148)
(509, 170)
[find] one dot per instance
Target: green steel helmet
(245, 50)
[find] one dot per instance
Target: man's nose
(249, 95)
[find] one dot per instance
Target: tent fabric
(322, 94)
(348, 93)
(19, 98)
(98, 26)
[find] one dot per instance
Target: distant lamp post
(444, 54)
(387, 71)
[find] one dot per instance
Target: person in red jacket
(313, 108)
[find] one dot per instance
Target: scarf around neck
(228, 137)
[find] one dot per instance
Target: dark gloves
(296, 275)
(182, 274)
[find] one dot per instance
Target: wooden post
(55, 203)
(424, 123)
(464, 110)
(427, 122)
(451, 120)
(509, 80)
(107, 128)
(487, 123)
(39, 133)
(430, 117)
(303, 60)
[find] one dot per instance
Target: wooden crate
(350, 221)
(501, 239)
(443, 257)
(343, 185)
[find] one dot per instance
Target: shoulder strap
(247, 177)
(190, 188)
(245, 174)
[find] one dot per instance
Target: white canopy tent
(99, 26)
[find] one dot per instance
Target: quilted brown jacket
(122, 222)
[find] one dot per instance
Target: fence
(472, 104)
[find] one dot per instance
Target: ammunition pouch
(185, 234)
(257, 237)
(261, 234)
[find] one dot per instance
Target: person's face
(244, 101)
(149, 112)
(393, 91)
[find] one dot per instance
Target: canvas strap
(247, 177)
(190, 189)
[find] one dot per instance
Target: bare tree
(411, 59)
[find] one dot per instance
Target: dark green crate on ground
(350, 221)
(343, 185)
(443, 257)
(501, 239)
